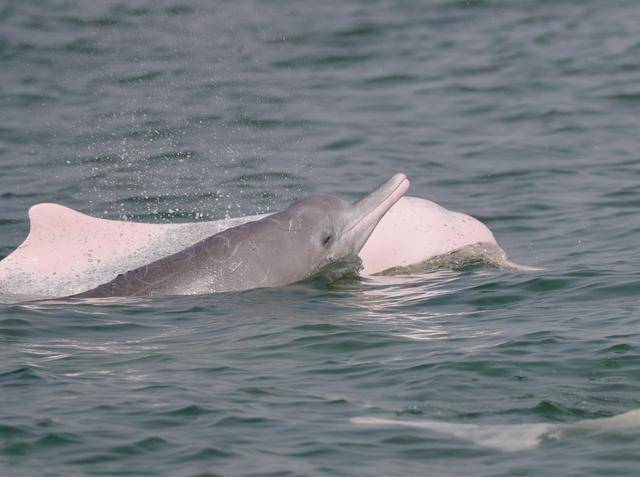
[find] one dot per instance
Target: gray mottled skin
(275, 251)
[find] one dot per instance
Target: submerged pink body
(67, 252)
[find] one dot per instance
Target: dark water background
(523, 113)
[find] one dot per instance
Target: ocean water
(522, 113)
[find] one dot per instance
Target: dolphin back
(215, 264)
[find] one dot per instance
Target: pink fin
(67, 252)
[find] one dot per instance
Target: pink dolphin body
(67, 252)
(415, 231)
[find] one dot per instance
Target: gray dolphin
(275, 251)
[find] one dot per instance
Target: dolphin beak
(367, 212)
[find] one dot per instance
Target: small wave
(470, 256)
(337, 272)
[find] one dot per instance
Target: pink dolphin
(67, 252)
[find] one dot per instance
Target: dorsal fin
(47, 214)
(60, 237)
(67, 252)
(66, 246)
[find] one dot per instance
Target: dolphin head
(321, 229)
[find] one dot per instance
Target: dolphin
(418, 234)
(67, 252)
(274, 251)
(510, 437)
